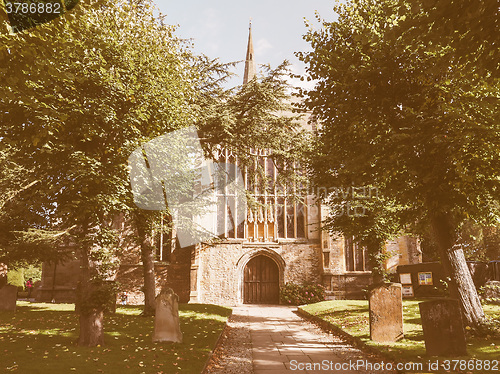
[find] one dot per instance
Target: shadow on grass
(336, 312)
(415, 321)
(39, 338)
(42, 307)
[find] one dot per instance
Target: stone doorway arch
(261, 275)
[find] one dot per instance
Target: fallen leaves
(37, 343)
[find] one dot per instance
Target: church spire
(249, 61)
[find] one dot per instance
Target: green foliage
(87, 100)
(72, 116)
(401, 111)
(379, 222)
(398, 114)
(378, 259)
(34, 272)
(307, 293)
(33, 246)
(19, 276)
(479, 242)
(91, 96)
(251, 117)
(16, 278)
(100, 296)
(469, 26)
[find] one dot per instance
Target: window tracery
(274, 212)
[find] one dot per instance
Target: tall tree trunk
(147, 256)
(53, 292)
(376, 261)
(91, 329)
(455, 265)
(91, 318)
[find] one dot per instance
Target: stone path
(273, 340)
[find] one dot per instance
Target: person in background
(124, 298)
(29, 286)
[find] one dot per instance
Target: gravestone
(167, 326)
(8, 297)
(444, 332)
(386, 313)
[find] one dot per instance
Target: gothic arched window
(274, 213)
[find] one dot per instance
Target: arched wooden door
(261, 281)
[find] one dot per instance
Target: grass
(40, 338)
(352, 317)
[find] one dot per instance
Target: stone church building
(278, 243)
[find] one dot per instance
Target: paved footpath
(265, 339)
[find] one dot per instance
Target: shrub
(18, 277)
(307, 293)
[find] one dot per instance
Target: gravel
(233, 354)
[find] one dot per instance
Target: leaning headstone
(444, 332)
(167, 326)
(386, 313)
(8, 297)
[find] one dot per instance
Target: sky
(219, 28)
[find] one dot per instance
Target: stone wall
(130, 279)
(352, 285)
(303, 262)
(219, 268)
(334, 245)
(59, 285)
(341, 284)
(404, 250)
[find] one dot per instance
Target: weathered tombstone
(167, 326)
(8, 298)
(386, 313)
(444, 332)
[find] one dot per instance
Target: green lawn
(40, 338)
(352, 317)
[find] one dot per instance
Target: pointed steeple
(249, 61)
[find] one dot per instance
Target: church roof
(249, 61)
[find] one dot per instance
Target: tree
(400, 112)
(79, 98)
(252, 117)
(480, 243)
(144, 222)
(468, 26)
(25, 234)
(360, 213)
